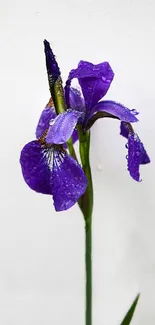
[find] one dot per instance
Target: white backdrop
(41, 251)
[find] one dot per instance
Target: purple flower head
(95, 81)
(48, 169)
(46, 166)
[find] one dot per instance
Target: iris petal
(137, 155)
(94, 80)
(35, 167)
(52, 171)
(47, 114)
(69, 181)
(116, 109)
(76, 101)
(124, 130)
(75, 136)
(63, 126)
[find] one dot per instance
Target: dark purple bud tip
(51, 63)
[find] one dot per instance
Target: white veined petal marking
(54, 156)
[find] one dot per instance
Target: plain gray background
(41, 251)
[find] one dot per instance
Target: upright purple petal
(94, 80)
(47, 114)
(116, 109)
(76, 101)
(69, 181)
(35, 167)
(137, 155)
(62, 127)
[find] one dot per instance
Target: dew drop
(51, 122)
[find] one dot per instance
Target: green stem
(86, 206)
(57, 94)
(88, 263)
(86, 201)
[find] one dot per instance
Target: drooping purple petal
(47, 114)
(69, 181)
(51, 63)
(35, 168)
(49, 170)
(137, 155)
(62, 127)
(124, 129)
(94, 80)
(116, 109)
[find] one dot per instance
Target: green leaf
(127, 319)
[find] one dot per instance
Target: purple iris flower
(47, 168)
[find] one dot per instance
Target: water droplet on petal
(134, 111)
(51, 122)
